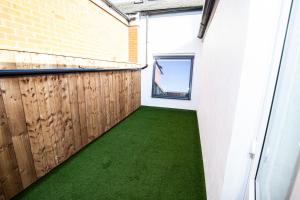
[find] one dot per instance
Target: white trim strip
(109, 10)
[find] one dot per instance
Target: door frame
(286, 6)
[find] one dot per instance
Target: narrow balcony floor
(154, 154)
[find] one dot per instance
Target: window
(172, 77)
(138, 2)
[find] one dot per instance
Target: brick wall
(67, 27)
(132, 43)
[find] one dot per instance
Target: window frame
(191, 57)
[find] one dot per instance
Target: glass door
(278, 176)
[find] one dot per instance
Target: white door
(278, 176)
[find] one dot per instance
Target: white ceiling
(120, 1)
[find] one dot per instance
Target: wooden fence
(45, 119)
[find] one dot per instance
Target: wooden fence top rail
(43, 71)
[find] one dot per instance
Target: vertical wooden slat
(82, 108)
(118, 86)
(115, 88)
(126, 83)
(74, 105)
(122, 95)
(133, 91)
(2, 196)
(10, 178)
(112, 98)
(102, 102)
(117, 91)
(17, 124)
(95, 111)
(110, 112)
(34, 126)
(55, 104)
(105, 100)
(129, 92)
(89, 106)
(133, 96)
(46, 118)
(67, 124)
(100, 105)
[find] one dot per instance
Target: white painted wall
(239, 57)
(266, 31)
(220, 70)
(170, 34)
(283, 131)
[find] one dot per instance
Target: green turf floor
(153, 154)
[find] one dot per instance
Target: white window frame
(274, 67)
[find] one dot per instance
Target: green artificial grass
(154, 154)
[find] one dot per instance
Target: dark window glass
(172, 77)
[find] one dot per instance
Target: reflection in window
(172, 77)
